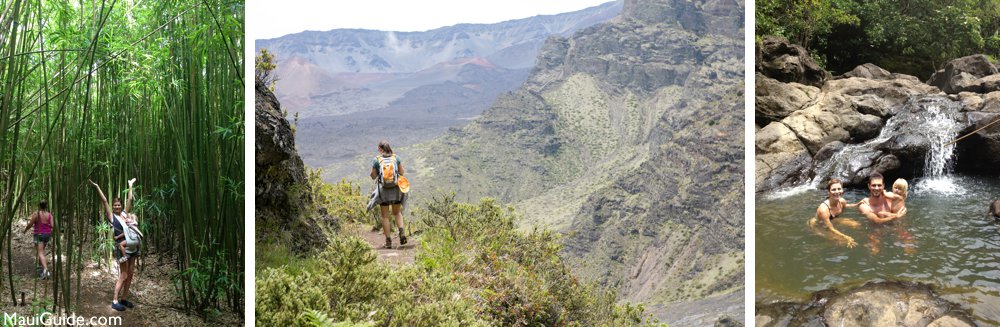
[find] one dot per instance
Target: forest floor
(152, 292)
(398, 255)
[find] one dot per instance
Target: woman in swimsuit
(832, 207)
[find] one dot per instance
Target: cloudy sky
(270, 19)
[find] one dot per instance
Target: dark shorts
(42, 238)
(118, 251)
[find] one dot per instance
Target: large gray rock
(869, 71)
(990, 83)
(776, 100)
(963, 74)
(980, 152)
(879, 303)
(780, 157)
(280, 197)
(894, 92)
(851, 110)
(787, 62)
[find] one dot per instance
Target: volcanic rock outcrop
(802, 122)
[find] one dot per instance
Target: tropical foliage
(474, 268)
(909, 36)
(110, 90)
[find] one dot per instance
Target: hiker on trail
(386, 171)
(116, 214)
(878, 202)
(829, 210)
(42, 221)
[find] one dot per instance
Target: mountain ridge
(628, 137)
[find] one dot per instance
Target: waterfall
(941, 130)
(923, 124)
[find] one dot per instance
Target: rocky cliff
(628, 137)
(281, 203)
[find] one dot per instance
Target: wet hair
(833, 181)
(903, 185)
(874, 175)
(43, 205)
(384, 146)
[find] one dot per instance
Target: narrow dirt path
(398, 254)
(152, 290)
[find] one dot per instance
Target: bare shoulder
(864, 206)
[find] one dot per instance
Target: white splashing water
(787, 192)
(940, 131)
(941, 185)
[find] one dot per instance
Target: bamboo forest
(107, 91)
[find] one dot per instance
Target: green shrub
(282, 297)
(474, 268)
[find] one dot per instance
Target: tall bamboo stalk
(112, 90)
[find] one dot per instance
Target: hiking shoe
(117, 306)
(127, 304)
(388, 243)
(402, 239)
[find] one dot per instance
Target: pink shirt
(44, 224)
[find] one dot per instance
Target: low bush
(474, 268)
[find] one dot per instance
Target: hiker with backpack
(43, 221)
(387, 171)
(117, 214)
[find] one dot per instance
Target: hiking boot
(127, 304)
(117, 306)
(388, 243)
(402, 239)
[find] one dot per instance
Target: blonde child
(897, 199)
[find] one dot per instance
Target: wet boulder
(876, 303)
(781, 60)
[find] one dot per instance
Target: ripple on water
(838, 258)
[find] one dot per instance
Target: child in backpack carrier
(131, 222)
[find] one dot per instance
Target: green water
(947, 240)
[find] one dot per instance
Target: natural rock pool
(947, 239)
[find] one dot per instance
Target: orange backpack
(388, 172)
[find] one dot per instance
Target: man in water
(877, 201)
